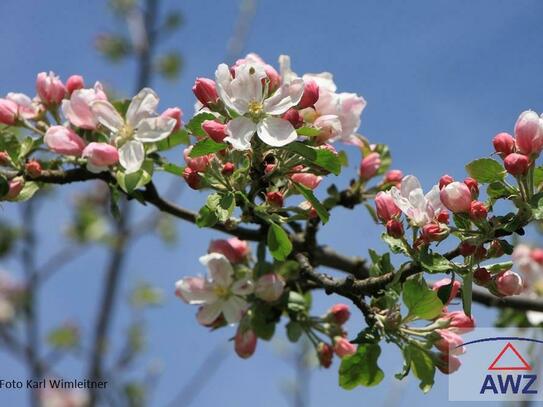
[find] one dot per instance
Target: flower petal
(276, 132)
(154, 129)
(209, 313)
(131, 156)
(244, 286)
(240, 132)
(194, 290)
(287, 96)
(107, 115)
(220, 269)
(142, 106)
(233, 309)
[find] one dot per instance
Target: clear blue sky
(440, 77)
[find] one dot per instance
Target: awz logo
(509, 383)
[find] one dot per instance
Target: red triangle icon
(525, 365)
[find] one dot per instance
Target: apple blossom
(215, 130)
(456, 196)
(473, 186)
(77, 109)
(63, 140)
(310, 95)
(528, 133)
(50, 88)
(339, 313)
(385, 206)
(307, 179)
(369, 166)
(100, 156)
(516, 164)
(466, 248)
(15, 187)
(269, 287)
(219, 293)
(293, 117)
(176, 114)
(205, 91)
(33, 168)
(142, 125)
(198, 164)
(342, 347)
(434, 232)
(244, 95)
(419, 208)
(482, 276)
(449, 342)
(504, 144)
(444, 181)
(234, 249)
(228, 168)
(448, 363)
(395, 228)
(273, 77)
(477, 211)
(192, 178)
(394, 176)
(509, 283)
(325, 354)
(74, 82)
(8, 112)
(275, 199)
(458, 321)
(245, 342)
(443, 217)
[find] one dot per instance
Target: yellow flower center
(256, 109)
(221, 292)
(124, 134)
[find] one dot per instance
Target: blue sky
(440, 77)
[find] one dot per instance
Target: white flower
(245, 95)
(218, 294)
(142, 125)
(410, 198)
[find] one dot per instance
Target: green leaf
(130, 182)
(296, 302)
(308, 131)
(467, 289)
(497, 267)
(4, 186)
(179, 137)
(206, 217)
(206, 146)
(422, 366)
(173, 169)
(121, 106)
(195, 124)
(294, 331)
(145, 295)
(63, 337)
(263, 327)
(462, 221)
(497, 190)
(538, 176)
(396, 245)
(278, 242)
(421, 301)
(435, 263)
(318, 156)
(486, 170)
(319, 207)
(361, 369)
(28, 191)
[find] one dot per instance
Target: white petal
(434, 201)
(284, 68)
(223, 79)
(409, 183)
(209, 313)
(107, 115)
(276, 132)
(244, 286)
(240, 132)
(220, 269)
(142, 106)
(325, 80)
(247, 85)
(535, 317)
(287, 96)
(96, 169)
(131, 156)
(154, 129)
(233, 309)
(194, 290)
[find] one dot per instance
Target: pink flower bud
(275, 199)
(528, 135)
(63, 140)
(198, 164)
(215, 130)
(192, 178)
(74, 82)
(292, 116)
(450, 342)
(445, 180)
(456, 196)
(245, 342)
(448, 363)
(307, 179)
(480, 253)
(516, 164)
(101, 154)
(234, 249)
(537, 255)
(269, 287)
(509, 283)
(33, 168)
(310, 95)
(205, 91)
(504, 144)
(50, 88)
(477, 211)
(339, 313)
(4, 158)
(482, 276)
(394, 176)
(473, 187)
(434, 232)
(443, 217)
(15, 187)
(467, 249)
(459, 321)
(369, 166)
(342, 347)
(8, 112)
(273, 76)
(228, 169)
(444, 282)
(176, 114)
(386, 207)
(325, 354)
(395, 228)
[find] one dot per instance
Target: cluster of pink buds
(336, 316)
(461, 197)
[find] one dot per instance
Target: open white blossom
(142, 125)
(246, 96)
